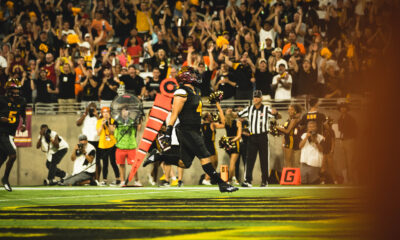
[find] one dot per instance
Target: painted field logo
(290, 176)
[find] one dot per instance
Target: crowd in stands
(67, 51)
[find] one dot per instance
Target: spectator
(84, 158)
(305, 80)
(50, 68)
(275, 60)
(105, 130)
(88, 121)
(288, 49)
(159, 60)
(90, 88)
(224, 82)
(348, 134)
(55, 148)
(108, 88)
(66, 86)
(44, 87)
(263, 79)
(282, 84)
(101, 25)
(134, 84)
(153, 84)
(243, 75)
(135, 51)
(311, 154)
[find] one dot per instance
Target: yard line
(90, 196)
(40, 188)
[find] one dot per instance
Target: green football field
(191, 212)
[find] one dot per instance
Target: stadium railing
(280, 105)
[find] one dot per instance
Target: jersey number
(199, 108)
(11, 117)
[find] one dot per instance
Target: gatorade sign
(290, 176)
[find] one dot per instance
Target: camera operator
(55, 148)
(311, 154)
(88, 121)
(83, 156)
(125, 134)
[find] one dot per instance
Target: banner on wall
(24, 139)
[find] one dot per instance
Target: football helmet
(11, 84)
(188, 75)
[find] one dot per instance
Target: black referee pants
(257, 143)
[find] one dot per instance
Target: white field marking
(83, 196)
(42, 188)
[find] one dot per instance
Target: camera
(91, 112)
(79, 151)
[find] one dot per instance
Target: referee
(257, 115)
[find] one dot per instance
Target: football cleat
(246, 184)
(6, 184)
(152, 158)
(224, 187)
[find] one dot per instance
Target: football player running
(12, 107)
(187, 107)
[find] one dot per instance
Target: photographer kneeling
(84, 157)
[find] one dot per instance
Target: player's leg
(180, 177)
(10, 150)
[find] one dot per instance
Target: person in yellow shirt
(105, 129)
(142, 15)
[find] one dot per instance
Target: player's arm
(179, 102)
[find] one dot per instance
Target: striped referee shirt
(258, 118)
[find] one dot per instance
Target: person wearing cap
(243, 76)
(42, 85)
(105, 129)
(258, 116)
(282, 84)
(84, 158)
(275, 60)
(348, 134)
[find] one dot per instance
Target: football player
(12, 107)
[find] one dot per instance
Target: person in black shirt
(44, 87)
(153, 85)
(305, 81)
(66, 86)
(243, 75)
(314, 115)
(159, 60)
(90, 86)
(187, 106)
(263, 78)
(12, 107)
(134, 84)
(225, 82)
(108, 88)
(348, 133)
